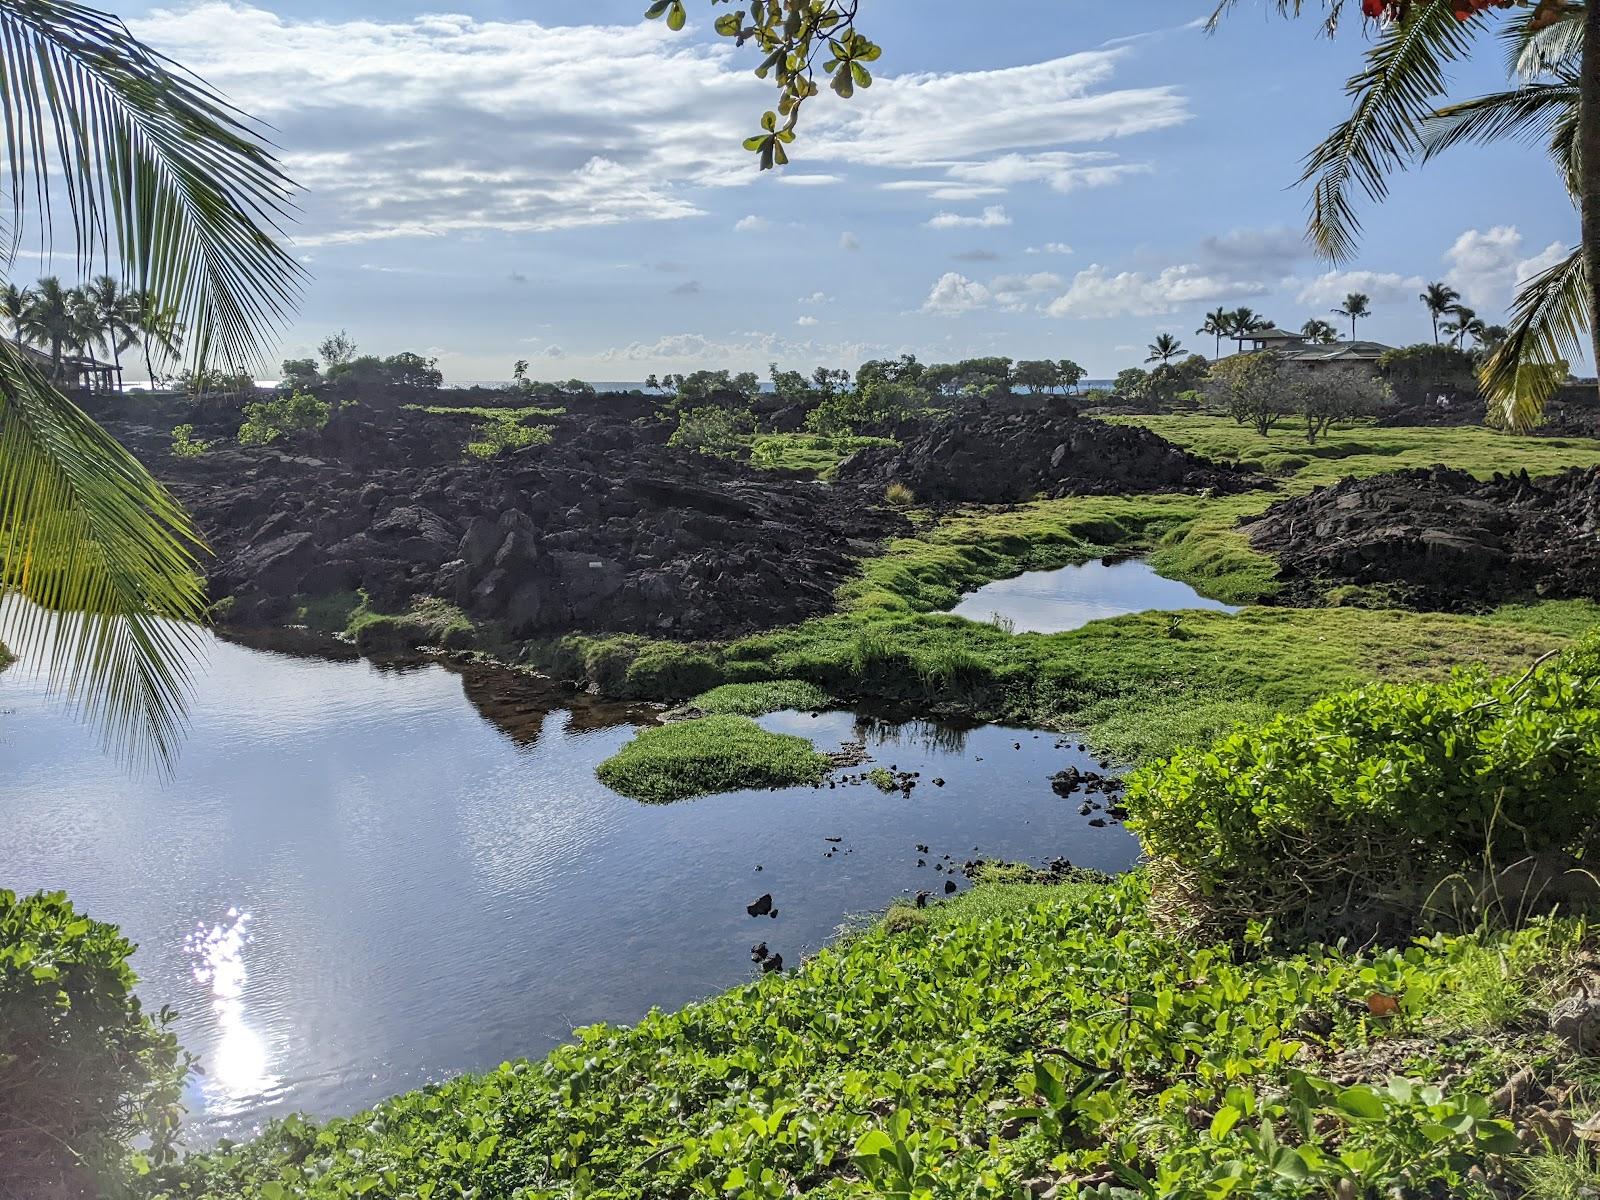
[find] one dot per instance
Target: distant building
(1353, 357)
(77, 374)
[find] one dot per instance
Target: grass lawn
(710, 754)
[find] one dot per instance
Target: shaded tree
(1438, 299)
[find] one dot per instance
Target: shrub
(712, 754)
(499, 434)
(268, 420)
(185, 444)
(1348, 817)
(84, 1071)
(899, 495)
(429, 621)
(711, 430)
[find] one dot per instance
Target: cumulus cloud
(1097, 292)
(954, 294)
(1382, 287)
(446, 124)
(1487, 265)
(751, 224)
(1051, 248)
(989, 218)
(807, 320)
(816, 298)
(849, 241)
(1020, 292)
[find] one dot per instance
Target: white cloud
(806, 321)
(817, 298)
(751, 224)
(439, 125)
(989, 218)
(1064, 171)
(1050, 248)
(1020, 292)
(938, 189)
(1096, 292)
(1381, 287)
(1487, 265)
(849, 241)
(953, 294)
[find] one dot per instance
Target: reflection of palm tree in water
(517, 704)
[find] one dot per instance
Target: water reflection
(236, 1069)
(1071, 597)
(421, 874)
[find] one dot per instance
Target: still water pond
(1071, 597)
(359, 879)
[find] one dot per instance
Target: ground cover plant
(818, 453)
(267, 421)
(758, 699)
(84, 1070)
(1377, 807)
(709, 754)
(1021, 1039)
(500, 434)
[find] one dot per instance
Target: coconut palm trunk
(1589, 166)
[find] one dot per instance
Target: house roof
(1357, 351)
(1272, 335)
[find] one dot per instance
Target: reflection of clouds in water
(236, 1068)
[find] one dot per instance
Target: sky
(563, 182)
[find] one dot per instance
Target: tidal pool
(359, 878)
(1071, 597)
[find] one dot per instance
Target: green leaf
(676, 16)
(1226, 1118)
(656, 9)
(1362, 1102)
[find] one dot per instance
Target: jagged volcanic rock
(1001, 458)
(605, 529)
(1439, 538)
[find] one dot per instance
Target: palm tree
(1242, 322)
(1438, 299)
(1216, 326)
(1395, 117)
(160, 332)
(14, 302)
(1355, 307)
(1461, 323)
(1165, 348)
(1318, 330)
(50, 320)
(116, 319)
(98, 575)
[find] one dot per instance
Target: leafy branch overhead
(792, 36)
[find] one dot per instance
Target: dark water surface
(359, 879)
(1071, 597)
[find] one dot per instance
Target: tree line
(100, 316)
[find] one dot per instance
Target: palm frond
(1534, 48)
(1391, 97)
(1548, 322)
(1531, 113)
(97, 565)
(154, 167)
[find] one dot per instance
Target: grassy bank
(1138, 686)
(1018, 1039)
(707, 755)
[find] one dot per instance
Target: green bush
(268, 420)
(712, 754)
(712, 430)
(499, 434)
(84, 1071)
(185, 444)
(1348, 817)
(429, 621)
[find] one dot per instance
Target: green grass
(1017, 1033)
(758, 699)
(708, 755)
(428, 622)
(817, 453)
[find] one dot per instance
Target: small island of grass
(712, 754)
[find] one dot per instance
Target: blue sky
(563, 182)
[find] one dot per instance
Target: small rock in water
(758, 866)
(1098, 822)
(758, 952)
(922, 899)
(760, 907)
(773, 914)
(938, 783)
(829, 839)
(949, 886)
(773, 962)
